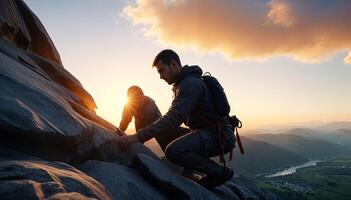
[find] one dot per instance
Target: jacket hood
(187, 71)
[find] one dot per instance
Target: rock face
(123, 182)
(48, 125)
(33, 178)
(167, 180)
(176, 186)
(44, 110)
(22, 28)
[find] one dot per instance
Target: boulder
(177, 186)
(121, 181)
(225, 193)
(169, 181)
(69, 196)
(38, 179)
(20, 26)
(44, 110)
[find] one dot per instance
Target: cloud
(310, 30)
(347, 59)
(280, 13)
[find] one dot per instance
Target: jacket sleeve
(126, 118)
(189, 91)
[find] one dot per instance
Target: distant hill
(333, 126)
(340, 136)
(307, 148)
(306, 133)
(262, 157)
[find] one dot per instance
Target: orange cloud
(280, 13)
(347, 59)
(306, 30)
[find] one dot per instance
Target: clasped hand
(126, 140)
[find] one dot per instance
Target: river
(293, 169)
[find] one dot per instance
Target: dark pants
(193, 150)
(164, 139)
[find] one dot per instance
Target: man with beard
(192, 105)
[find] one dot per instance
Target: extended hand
(119, 132)
(127, 140)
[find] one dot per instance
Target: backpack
(223, 108)
(217, 93)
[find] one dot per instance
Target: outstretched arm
(126, 118)
(184, 102)
(189, 92)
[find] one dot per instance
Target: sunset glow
(305, 30)
(280, 62)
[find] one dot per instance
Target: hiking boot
(194, 177)
(212, 181)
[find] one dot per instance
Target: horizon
(110, 47)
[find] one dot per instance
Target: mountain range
(262, 157)
(307, 148)
(301, 144)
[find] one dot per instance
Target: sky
(281, 62)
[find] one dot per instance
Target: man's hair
(134, 91)
(166, 56)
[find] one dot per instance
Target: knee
(171, 153)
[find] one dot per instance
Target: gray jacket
(192, 105)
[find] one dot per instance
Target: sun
(122, 101)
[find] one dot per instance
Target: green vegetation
(330, 180)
